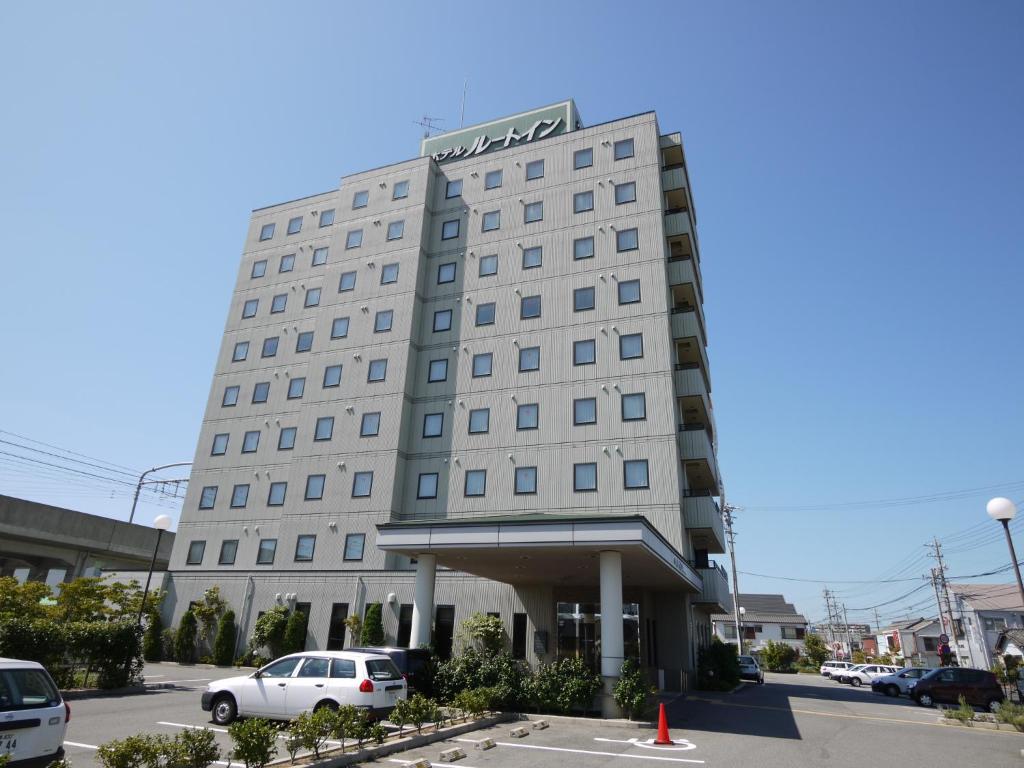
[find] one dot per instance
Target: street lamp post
(1003, 510)
(743, 613)
(143, 481)
(161, 523)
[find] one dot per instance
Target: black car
(411, 662)
(946, 685)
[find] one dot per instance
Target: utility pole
(144, 481)
(831, 622)
(727, 518)
(849, 636)
(938, 602)
(940, 574)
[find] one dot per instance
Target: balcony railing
(704, 523)
(697, 492)
(715, 588)
(687, 366)
(692, 427)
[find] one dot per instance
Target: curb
(634, 725)
(128, 690)
(976, 724)
(199, 666)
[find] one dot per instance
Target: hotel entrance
(579, 632)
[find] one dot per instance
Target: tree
(354, 624)
(22, 601)
(483, 633)
(295, 632)
(778, 657)
(185, 639)
(268, 632)
(224, 644)
(816, 650)
(633, 691)
(208, 612)
(152, 641)
(373, 626)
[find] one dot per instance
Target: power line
(884, 503)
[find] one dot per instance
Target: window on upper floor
(220, 444)
(629, 292)
(479, 421)
(347, 282)
(355, 543)
(377, 370)
(426, 486)
(362, 484)
(631, 346)
(260, 392)
(583, 248)
(584, 352)
(623, 149)
(240, 496)
(584, 411)
(279, 303)
(332, 376)
(250, 307)
(277, 493)
(339, 328)
(583, 201)
(450, 229)
(360, 199)
(319, 257)
(492, 179)
(389, 274)
(400, 190)
(527, 416)
(354, 239)
(228, 551)
(442, 320)
(315, 487)
(635, 474)
(453, 188)
(251, 441)
(529, 359)
(582, 299)
(533, 256)
(475, 483)
(446, 272)
(488, 265)
(526, 480)
(266, 552)
(529, 306)
(208, 497)
(535, 170)
(287, 263)
(327, 217)
(286, 440)
(482, 364)
(259, 268)
(491, 221)
(230, 396)
(294, 225)
(584, 477)
(304, 548)
(196, 550)
(582, 158)
(396, 230)
(324, 428)
(626, 240)
(240, 351)
(437, 371)
(296, 387)
(382, 321)
(266, 232)
(312, 298)
(533, 211)
(370, 425)
(304, 341)
(485, 313)
(433, 424)
(625, 193)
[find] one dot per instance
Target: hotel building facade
(474, 381)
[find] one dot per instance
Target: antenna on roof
(428, 125)
(462, 111)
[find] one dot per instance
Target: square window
(266, 232)
(625, 193)
(377, 371)
(389, 274)
(220, 444)
(535, 170)
(370, 426)
(492, 180)
(304, 341)
(230, 397)
(426, 487)
(584, 411)
(584, 352)
(286, 440)
(294, 225)
(276, 495)
(526, 480)
(485, 314)
(382, 321)
(533, 212)
(635, 474)
(583, 201)
(527, 416)
(355, 543)
(582, 158)
(240, 352)
(279, 303)
(259, 268)
(529, 306)
(196, 550)
(438, 371)
(208, 497)
(453, 188)
(312, 297)
(269, 347)
(339, 328)
(287, 263)
(491, 221)
(442, 320)
(584, 477)
(250, 307)
(347, 282)
(240, 495)
(488, 265)
(261, 391)
(360, 199)
(296, 387)
(582, 299)
(304, 546)
(433, 424)
(251, 441)
(400, 190)
(446, 272)
(362, 484)
(623, 149)
(450, 229)
(327, 217)
(479, 421)
(533, 256)
(583, 248)
(319, 257)
(529, 359)
(315, 487)
(265, 554)
(629, 292)
(482, 365)
(476, 482)
(354, 239)
(396, 230)
(631, 346)
(626, 240)
(324, 428)
(332, 376)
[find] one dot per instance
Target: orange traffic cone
(663, 737)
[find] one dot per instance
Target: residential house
(916, 640)
(980, 613)
(765, 617)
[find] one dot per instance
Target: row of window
(305, 544)
(635, 476)
(295, 225)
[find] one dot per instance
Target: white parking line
(588, 752)
(408, 762)
(192, 727)
(191, 680)
(83, 746)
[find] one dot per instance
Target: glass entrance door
(579, 632)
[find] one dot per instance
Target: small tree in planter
(295, 633)
(633, 692)
(314, 728)
(268, 632)
(778, 657)
(185, 639)
(255, 741)
(373, 626)
(224, 644)
(152, 642)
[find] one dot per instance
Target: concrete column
(423, 600)
(612, 647)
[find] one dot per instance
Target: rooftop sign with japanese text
(507, 132)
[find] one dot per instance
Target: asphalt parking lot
(791, 721)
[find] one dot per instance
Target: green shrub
(268, 631)
(474, 701)
(633, 692)
(141, 751)
(292, 745)
(373, 626)
(152, 640)
(348, 724)
(5, 758)
(815, 650)
(565, 685)
(508, 678)
(295, 632)
(779, 657)
(718, 666)
(964, 713)
(185, 639)
(254, 740)
(402, 715)
(1011, 713)
(192, 748)
(312, 729)
(224, 644)
(482, 633)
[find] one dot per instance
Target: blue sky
(857, 173)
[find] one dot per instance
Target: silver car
(750, 670)
(899, 682)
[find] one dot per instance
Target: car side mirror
(257, 674)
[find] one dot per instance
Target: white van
(33, 717)
(835, 668)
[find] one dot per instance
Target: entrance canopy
(544, 549)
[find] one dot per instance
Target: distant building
(916, 640)
(43, 543)
(765, 617)
(980, 613)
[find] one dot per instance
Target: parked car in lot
(843, 675)
(867, 673)
(33, 717)
(750, 670)
(831, 668)
(899, 682)
(946, 685)
(306, 681)
(411, 662)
